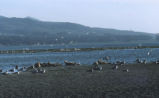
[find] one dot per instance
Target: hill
(30, 31)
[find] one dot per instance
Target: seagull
(126, 70)
(115, 67)
(5, 73)
(148, 53)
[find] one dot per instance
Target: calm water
(86, 45)
(87, 57)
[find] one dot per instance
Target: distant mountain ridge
(29, 31)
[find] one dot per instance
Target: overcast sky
(137, 15)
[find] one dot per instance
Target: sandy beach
(142, 81)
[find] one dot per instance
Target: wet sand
(142, 81)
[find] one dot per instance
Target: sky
(136, 15)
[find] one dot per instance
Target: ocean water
(82, 45)
(83, 57)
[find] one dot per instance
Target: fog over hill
(30, 31)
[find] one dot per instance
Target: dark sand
(75, 82)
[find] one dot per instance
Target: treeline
(20, 31)
(56, 39)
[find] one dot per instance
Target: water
(85, 45)
(83, 57)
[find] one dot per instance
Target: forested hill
(27, 31)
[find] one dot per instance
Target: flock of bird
(39, 67)
(15, 70)
(115, 66)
